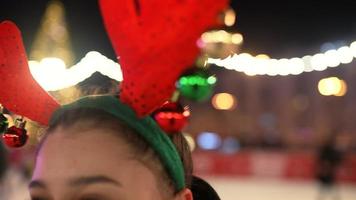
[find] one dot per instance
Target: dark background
(278, 28)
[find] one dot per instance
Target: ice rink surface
(271, 189)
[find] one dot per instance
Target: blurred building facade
(280, 111)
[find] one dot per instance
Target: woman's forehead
(83, 152)
(65, 157)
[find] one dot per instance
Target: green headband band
(145, 127)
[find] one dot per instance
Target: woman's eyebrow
(37, 184)
(88, 180)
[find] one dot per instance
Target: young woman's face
(90, 166)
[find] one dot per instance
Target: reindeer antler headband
(155, 42)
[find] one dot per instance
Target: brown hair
(83, 119)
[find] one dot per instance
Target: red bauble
(15, 137)
(172, 117)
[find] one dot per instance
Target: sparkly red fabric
(19, 92)
(155, 41)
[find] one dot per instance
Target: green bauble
(197, 86)
(3, 123)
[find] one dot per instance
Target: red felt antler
(155, 41)
(19, 92)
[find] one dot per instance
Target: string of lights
(52, 74)
(264, 65)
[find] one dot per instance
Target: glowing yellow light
(222, 36)
(307, 63)
(52, 74)
(262, 56)
(190, 141)
(246, 56)
(224, 101)
(47, 72)
(296, 66)
(342, 90)
(283, 67)
(332, 86)
(52, 39)
(230, 17)
(319, 62)
(260, 66)
(236, 38)
(250, 71)
(251, 65)
(206, 37)
(353, 48)
(186, 113)
(271, 67)
(332, 57)
(345, 54)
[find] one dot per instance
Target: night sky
(278, 28)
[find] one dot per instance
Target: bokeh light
(221, 36)
(307, 63)
(237, 38)
(230, 17)
(342, 90)
(332, 86)
(47, 72)
(333, 58)
(209, 141)
(345, 55)
(296, 66)
(353, 49)
(262, 56)
(318, 62)
(190, 141)
(52, 74)
(327, 46)
(262, 64)
(224, 101)
(230, 145)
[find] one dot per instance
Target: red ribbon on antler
(155, 41)
(19, 92)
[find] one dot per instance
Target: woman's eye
(89, 198)
(95, 197)
(38, 198)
